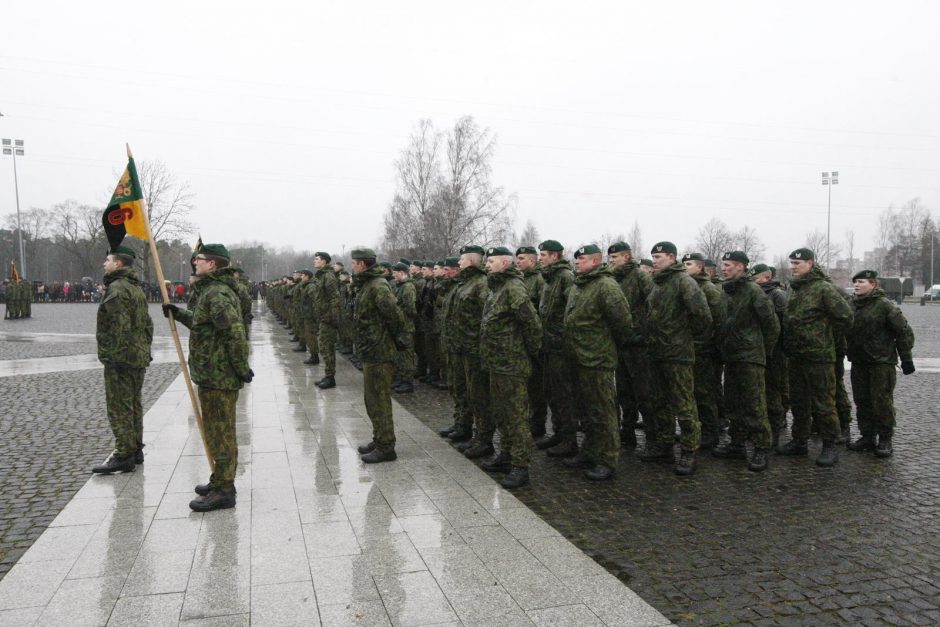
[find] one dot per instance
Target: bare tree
(80, 234)
(635, 239)
(883, 236)
(816, 242)
(909, 225)
(850, 250)
(714, 238)
(605, 240)
(169, 201)
(746, 240)
(529, 235)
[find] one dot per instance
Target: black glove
(907, 367)
(167, 308)
(401, 344)
(248, 376)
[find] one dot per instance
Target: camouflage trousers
(326, 345)
(509, 401)
(672, 387)
(478, 392)
(122, 389)
(218, 419)
(873, 391)
(812, 394)
(538, 408)
(559, 387)
(633, 386)
(434, 354)
(746, 404)
(707, 372)
(457, 384)
(776, 386)
(843, 404)
(596, 399)
(309, 332)
(377, 383)
(420, 344)
(405, 360)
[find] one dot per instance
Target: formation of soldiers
(19, 299)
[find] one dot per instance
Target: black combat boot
(548, 441)
(758, 461)
(793, 447)
(115, 464)
(405, 387)
(565, 449)
(366, 448)
(442, 385)
(654, 452)
(461, 434)
(517, 477)
(600, 472)
(628, 438)
(377, 457)
(829, 455)
(217, 498)
(864, 443)
(730, 450)
(302, 348)
(139, 455)
(327, 382)
(294, 338)
(884, 448)
(446, 431)
(479, 449)
(500, 463)
(846, 435)
(578, 461)
(204, 488)
(687, 464)
(311, 361)
(709, 441)
(537, 426)
(463, 446)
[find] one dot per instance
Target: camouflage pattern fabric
(406, 295)
(880, 332)
(478, 399)
(377, 317)
(873, 391)
(751, 328)
(122, 393)
(243, 290)
(633, 369)
(326, 345)
(558, 282)
(596, 398)
(457, 384)
(218, 419)
(326, 302)
(559, 386)
(510, 332)
(509, 401)
(466, 310)
(672, 398)
(676, 313)
(815, 311)
(709, 342)
(597, 320)
(535, 285)
(707, 370)
(124, 330)
(812, 394)
(746, 404)
(377, 383)
(776, 383)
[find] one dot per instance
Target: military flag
(14, 275)
(125, 214)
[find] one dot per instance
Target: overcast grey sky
(287, 116)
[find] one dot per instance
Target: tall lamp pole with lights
(829, 179)
(14, 148)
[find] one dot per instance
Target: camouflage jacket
(534, 284)
(124, 329)
(676, 312)
(466, 311)
(510, 331)
(427, 298)
(816, 312)
(244, 300)
(406, 297)
(558, 282)
(750, 330)
(444, 297)
(636, 286)
(218, 345)
(597, 320)
(710, 343)
(880, 332)
(326, 296)
(378, 320)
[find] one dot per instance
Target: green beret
(386, 264)
(400, 267)
(124, 250)
(237, 269)
(709, 263)
(736, 255)
(552, 246)
(618, 247)
(405, 261)
(215, 250)
(646, 262)
(307, 272)
(526, 250)
(589, 249)
(362, 253)
(803, 254)
(760, 268)
(773, 271)
(324, 256)
(664, 247)
(472, 249)
(868, 275)
(440, 262)
(498, 251)
(693, 257)
(451, 262)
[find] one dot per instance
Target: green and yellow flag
(125, 213)
(14, 275)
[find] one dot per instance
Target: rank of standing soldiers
(609, 347)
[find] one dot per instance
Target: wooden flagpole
(174, 331)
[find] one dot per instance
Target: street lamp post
(829, 181)
(14, 147)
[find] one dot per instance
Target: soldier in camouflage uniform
(218, 362)
(456, 383)
(407, 299)
(510, 338)
(379, 324)
(776, 384)
(290, 308)
(345, 315)
(676, 313)
(527, 263)
(431, 304)
(559, 380)
(707, 354)
(597, 323)
(879, 335)
(124, 333)
(420, 343)
(815, 311)
(244, 298)
(747, 336)
(304, 308)
(326, 302)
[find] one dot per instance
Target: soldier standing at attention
(880, 334)
(326, 301)
(815, 311)
(124, 333)
(406, 295)
(510, 339)
(747, 337)
(597, 323)
(378, 326)
(676, 313)
(218, 361)
(421, 358)
(646, 265)
(244, 298)
(527, 262)
(778, 399)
